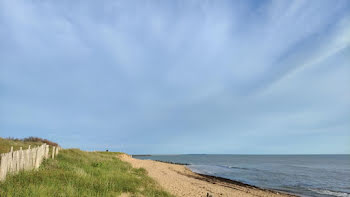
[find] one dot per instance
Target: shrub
(38, 139)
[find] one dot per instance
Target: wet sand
(180, 181)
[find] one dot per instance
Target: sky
(178, 76)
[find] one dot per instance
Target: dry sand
(180, 181)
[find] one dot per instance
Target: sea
(302, 175)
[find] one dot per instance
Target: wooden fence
(28, 159)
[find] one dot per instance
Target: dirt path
(180, 181)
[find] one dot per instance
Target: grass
(5, 144)
(77, 173)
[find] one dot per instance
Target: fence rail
(28, 159)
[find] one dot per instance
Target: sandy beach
(180, 181)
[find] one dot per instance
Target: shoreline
(211, 178)
(179, 180)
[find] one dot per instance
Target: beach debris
(208, 195)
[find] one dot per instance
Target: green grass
(77, 173)
(5, 144)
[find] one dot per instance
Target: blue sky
(255, 77)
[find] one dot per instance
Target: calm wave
(304, 175)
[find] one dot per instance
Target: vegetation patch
(6, 143)
(77, 173)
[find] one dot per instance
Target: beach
(180, 181)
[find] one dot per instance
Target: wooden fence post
(33, 157)
(16, 161)
(53, 152)
(37, 158)
(25, 159)
(47, 152)
(10, 166)
(21, 159)
(14, 157)
(3, 166)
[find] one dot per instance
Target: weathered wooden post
(10, 166)
(38, 155)
(28, 158)
(53, 152)
(14, 161)
(42, 151)
(16, 156)
(25, 159)
(57, 150)
(42, 155)
(21, 159)
(37, 158)
(47, 152)
(33, 157)
(3, 166)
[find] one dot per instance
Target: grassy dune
(5, 144)
(79, 173)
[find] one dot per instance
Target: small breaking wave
(235, 167)
(329, 192)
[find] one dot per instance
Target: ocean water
(303, 175)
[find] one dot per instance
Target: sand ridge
(180, 181)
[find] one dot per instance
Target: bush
(38, 139)
(34, 139)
